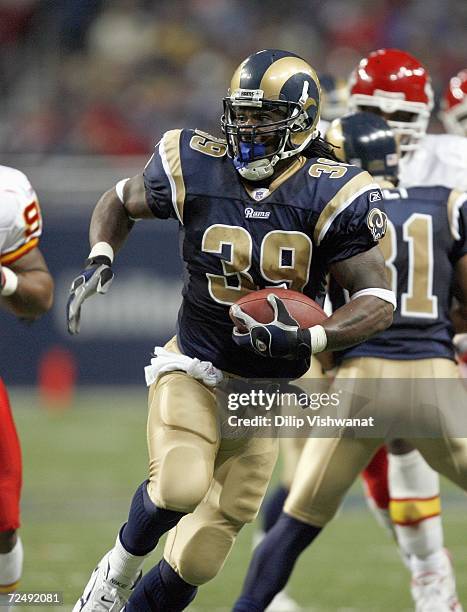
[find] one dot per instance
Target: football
(302, 308)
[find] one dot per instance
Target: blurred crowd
(110, 76)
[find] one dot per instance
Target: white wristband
(119, 189)
(11, 282)
(318, 339)
(383, 294)
(102, 248)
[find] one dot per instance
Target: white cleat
(104, 592)
(283, 603)
(435, 591)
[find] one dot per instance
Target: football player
(394, 84)
(418, 345)
(267, 206)
(26, 290)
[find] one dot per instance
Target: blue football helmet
(365, 140)
(271, 111)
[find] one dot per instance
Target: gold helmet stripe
(335, 137)
(235, 82)
(280, 72)
(169, 150)
(353, 189)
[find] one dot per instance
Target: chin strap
(257, 170)
(261, 169)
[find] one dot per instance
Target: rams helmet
(367, 141)
(271, 111)
(396, 84)
(453, 112)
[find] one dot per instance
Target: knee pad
(182, 477)
(201, 556)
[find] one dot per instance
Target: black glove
(95, 278)
(280, 338)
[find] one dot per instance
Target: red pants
(10, 466)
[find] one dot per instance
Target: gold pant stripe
(9, 588)
(413, 511)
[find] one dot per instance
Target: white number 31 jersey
(20, 216)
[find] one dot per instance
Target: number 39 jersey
(426, 236)
(235, 240)
(20, 218)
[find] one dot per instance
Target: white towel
(165, 361)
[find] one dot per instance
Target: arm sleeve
(163, 178)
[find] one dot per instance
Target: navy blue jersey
(425, 238)
(234, 241)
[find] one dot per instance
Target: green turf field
(81, 467)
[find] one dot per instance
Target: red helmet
(453, 112)
(394, 81)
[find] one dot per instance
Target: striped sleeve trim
(169, 151)
(9, 258)
(352, 190)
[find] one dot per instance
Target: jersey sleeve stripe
(169, 150)
(455, 200)
(8, 258)
(352, 190)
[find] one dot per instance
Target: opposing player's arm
(366, 314)
(33, 288)
(459, 311)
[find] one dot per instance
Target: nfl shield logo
(260, 194)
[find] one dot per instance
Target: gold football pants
(328, 466)
(220, 484)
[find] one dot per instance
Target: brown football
(303, 309)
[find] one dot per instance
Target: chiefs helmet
(453, 112)
(367, 141)
(271, 111)
(335, 95)
(396, 84)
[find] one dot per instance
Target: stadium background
(86, 89)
